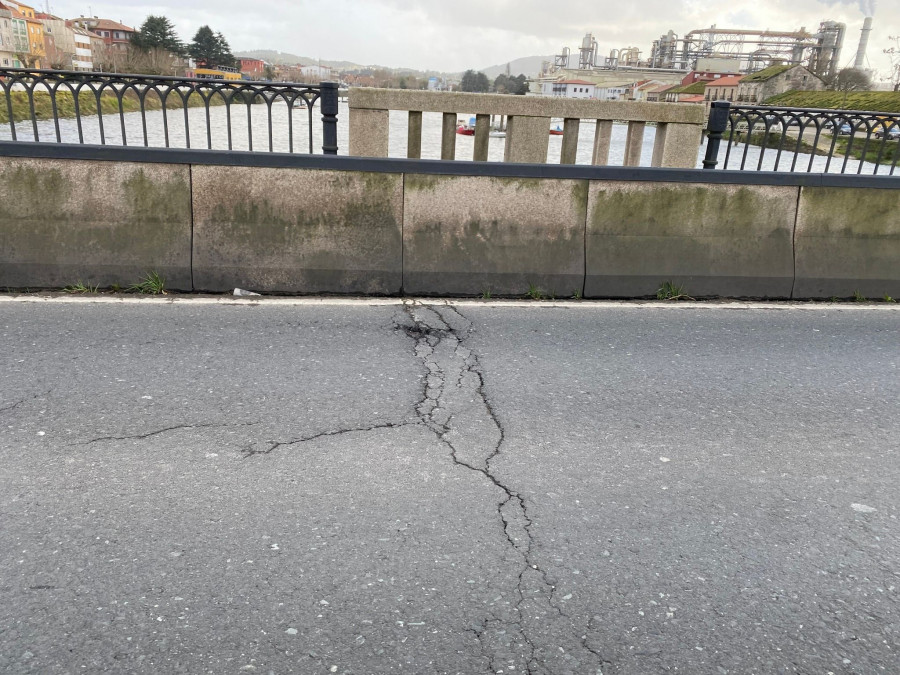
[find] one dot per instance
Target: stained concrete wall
(731, 240)
(297, 230)
(99, 223)
(848, 241)
(467, 235)
(400, 228)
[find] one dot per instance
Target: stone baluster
(634, 143)
(414, 135)
(369, 132)
(527, 139)
(569, 149)
(676, 145)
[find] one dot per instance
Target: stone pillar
(527, 139)
(634, 143)
(482, 136)
(602, 141)
(369, 132)
(677, 146)
(448, 136)
(414, 135)
(569, 149)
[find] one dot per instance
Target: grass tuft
(671, 291)
(152, 284)
(80, 287)
(534, 292)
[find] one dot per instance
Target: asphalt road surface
(423, 487)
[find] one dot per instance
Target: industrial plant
(713, 49)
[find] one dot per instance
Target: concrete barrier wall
(296, 230)
(848, 241)
(730, 240)
(345, 225)
(467, 235)
(100, 223)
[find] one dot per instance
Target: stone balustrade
(678, 126)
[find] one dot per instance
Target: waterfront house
(686, 93)
(7, 48)
(658, 93)
(724, 89)
(640, 91)
(115, 35)
(764, 84)
(252, 69)
(569, 89)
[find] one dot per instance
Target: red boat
(556, 131)
(465, 130)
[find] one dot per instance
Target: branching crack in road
(535, 636)
(250, 451)
(156, 432)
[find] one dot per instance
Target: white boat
(496, 133)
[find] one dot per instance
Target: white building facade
(569, 89)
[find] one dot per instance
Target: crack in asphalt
(273, 445)
(156, 432)
(13, 406)
(440, 335)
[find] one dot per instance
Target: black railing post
(329, 117)
(718, 123)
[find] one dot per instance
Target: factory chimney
(863, 43)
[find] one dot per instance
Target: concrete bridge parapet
(212, 221)
(678, 137)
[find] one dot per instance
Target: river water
(256, 129)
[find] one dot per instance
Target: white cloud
(437, 34)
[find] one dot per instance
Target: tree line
(503, 84)
(158, 32)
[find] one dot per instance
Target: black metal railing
(155, 111)
(770, 138)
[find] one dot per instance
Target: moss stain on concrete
(850, 213)
(37, 191)
(157, 202)
(678, 211)
(420, 182)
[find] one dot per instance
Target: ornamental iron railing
(809, 140)
(155, 111)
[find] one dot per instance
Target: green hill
(877, 101)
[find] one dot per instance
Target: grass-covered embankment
(875, 101)
(774, 141)
(87, 102)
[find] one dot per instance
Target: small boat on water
(497, 133)
(466, 128)
(556, 131)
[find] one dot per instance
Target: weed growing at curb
(534, 292)
(671, 291)
(485, 295)
(859, 297)
(888, 298)
(576, 294)
(79, 287)
(152, 284)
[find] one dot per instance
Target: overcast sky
(453, 35)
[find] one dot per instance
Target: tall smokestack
(863, 43)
